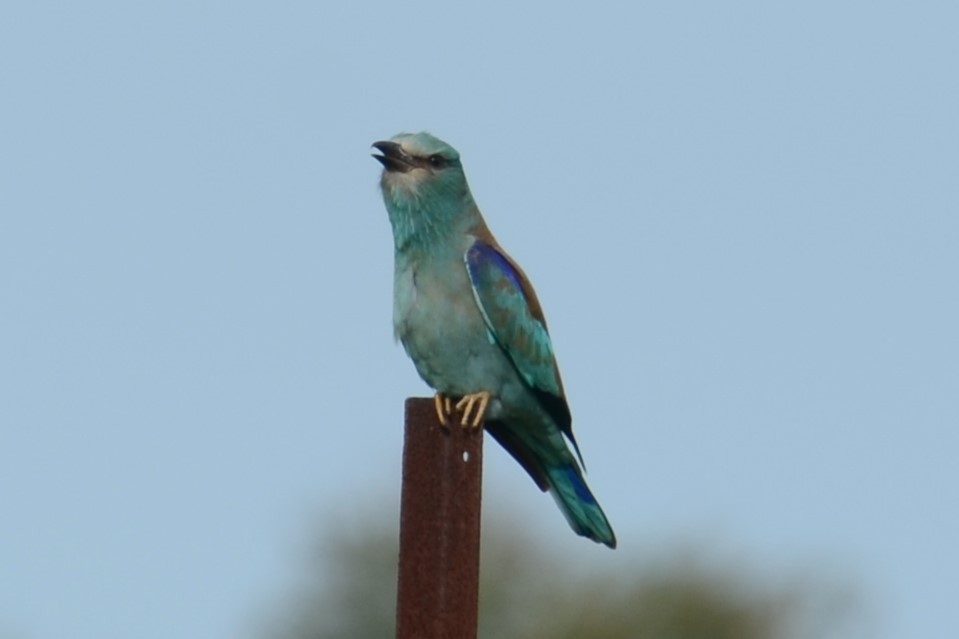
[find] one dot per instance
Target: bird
(469, 319)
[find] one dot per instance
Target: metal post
(437, 594)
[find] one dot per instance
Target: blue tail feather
(580, 508)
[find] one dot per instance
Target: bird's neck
(426, 225)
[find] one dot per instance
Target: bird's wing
(516, 323)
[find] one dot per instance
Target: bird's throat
(425, 223)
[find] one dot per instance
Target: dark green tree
(528, 593)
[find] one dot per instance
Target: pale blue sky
(743, 223)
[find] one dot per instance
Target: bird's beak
(394, 158)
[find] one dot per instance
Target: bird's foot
(474, 404)
(478, 401)
(444, 408)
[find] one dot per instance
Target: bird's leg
(443, 408)
(478, 400)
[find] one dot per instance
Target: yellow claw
(479, 401)
(443, 408)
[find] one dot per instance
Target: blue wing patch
(515, 324)
(498, 290)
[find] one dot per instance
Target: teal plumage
(470, 321)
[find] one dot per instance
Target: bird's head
(420, 167)
(424, 186)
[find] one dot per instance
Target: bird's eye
(436, 160)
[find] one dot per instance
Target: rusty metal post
(437, 594)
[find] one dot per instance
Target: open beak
(393, 157)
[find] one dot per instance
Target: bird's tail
(580, 508)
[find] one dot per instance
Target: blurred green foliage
(528, 593)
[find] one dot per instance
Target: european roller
(470, 321)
